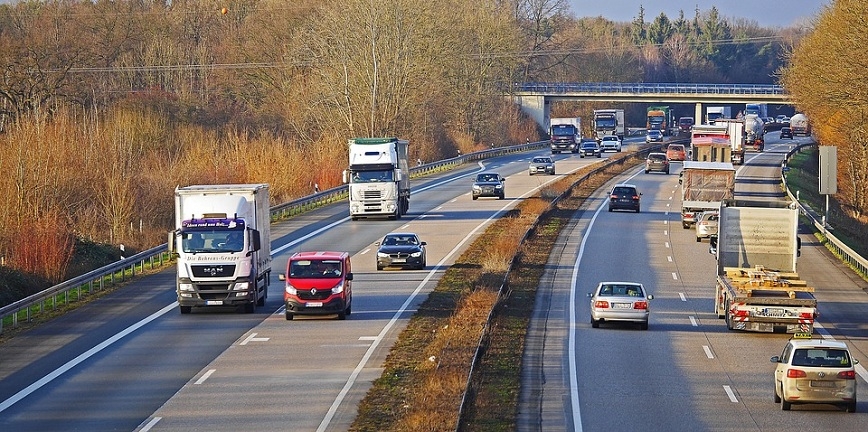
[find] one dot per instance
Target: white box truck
(757, 288)
(378, 177)
(222, 240)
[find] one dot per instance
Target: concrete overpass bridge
(535, 98)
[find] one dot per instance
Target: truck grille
(372, 194)
(213, 271)
(213, 291)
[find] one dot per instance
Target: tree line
(107, 106)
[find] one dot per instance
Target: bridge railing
(74, 289)
(642, 88)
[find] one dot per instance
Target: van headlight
(291, 290)
(337, 289)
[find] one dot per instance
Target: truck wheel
(261, 301)
(289, 316)
(249, 307)
(186, 309)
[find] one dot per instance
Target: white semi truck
(378, 177)
(757, 288)
(609, 122)
(222, 240)
(713, 113)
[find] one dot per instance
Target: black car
(488, 184)
(589, 147)
(786, 133)
(624, 197)
(401, 250)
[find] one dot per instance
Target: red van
(318, 283)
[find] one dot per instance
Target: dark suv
(488, 184)
(624, 197)
(657, 161)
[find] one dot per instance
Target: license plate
(399, 260)
(313, 304)
(773, 312)
(214, 302)
(823, 384)
(622, 305)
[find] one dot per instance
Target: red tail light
(796, 373)
(635, 197)
(847, 375)
(741, 313)
(640, 305)
(806, 315)
(601, 304)
(614, 196)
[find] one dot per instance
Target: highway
(687, 372)
(131, 361)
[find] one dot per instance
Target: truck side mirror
(798, 246)
(712, 248)
(171, 242)
(255, 241)
(399, 175)
(344, 177)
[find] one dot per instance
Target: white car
(620, 301)
(610, 142)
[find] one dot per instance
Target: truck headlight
(185, 287)
(241, 286)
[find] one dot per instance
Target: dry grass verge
(426, 372)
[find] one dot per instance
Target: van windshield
(315, 268)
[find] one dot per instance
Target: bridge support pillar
(697, 115)
(537, 107)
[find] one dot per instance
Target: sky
(767, 13)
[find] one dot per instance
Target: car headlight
(185, 287)
(416, 254)
(476, 187)
(499, 186)
(337, 289)
(382, 255)
(291, 290)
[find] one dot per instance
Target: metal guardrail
(847, 255)
(32, 305)
(643, 88)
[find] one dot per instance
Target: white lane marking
(730, 393)
(665, 232)
(693, 321)
(367, 338)
(683, 297)
(253, 338)
(666, 244)
(365, 251)
(150, 424)
(571, 345)
(405, 226)
(666, 222)
(674, 276)
(708, 352)
(82, 357)
(669, 258)
(205, 376)
(825, 334)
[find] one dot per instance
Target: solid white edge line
(82, 357)
(150, 424)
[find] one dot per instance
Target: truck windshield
(210, 241)
(372, 176)
(605, 123)
(563, 130)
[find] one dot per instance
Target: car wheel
(502, 196)
(379, 267)
(637, 209)
(474, 197)
(342, 315)
(595, 323)
(529, 173)
(851, 407)
(644, 325)
(777, 398)
(582, 156)
(685, 225)
(698, 239)
(186, 309)
(785, 406)
(610, 208)
(667, 171)
(647, 171)
(289, 316)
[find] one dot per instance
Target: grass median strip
(426, 372)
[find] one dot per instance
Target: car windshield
(395, 240)
(621, 290)
(487, 178)
(821, 357)
(315, 268)
(541, 160)
(610, 138)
